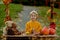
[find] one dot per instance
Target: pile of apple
(48, 31)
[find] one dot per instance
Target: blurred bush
(37, 2)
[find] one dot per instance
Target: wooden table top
(31, 36)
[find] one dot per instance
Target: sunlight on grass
(14, 10)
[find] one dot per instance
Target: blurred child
(33, 26)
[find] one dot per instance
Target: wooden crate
(31, 37)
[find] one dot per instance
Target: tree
(16, 1)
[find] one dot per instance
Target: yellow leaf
(49, 11)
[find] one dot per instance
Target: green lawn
(42, 12)
(14, 10)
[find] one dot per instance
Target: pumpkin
(52, 31)
(45, 31)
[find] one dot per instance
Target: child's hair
(35, 12)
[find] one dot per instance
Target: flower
(7, 1)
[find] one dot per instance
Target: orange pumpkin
(52, 31)
(45, 31)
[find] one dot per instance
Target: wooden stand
(30, 37)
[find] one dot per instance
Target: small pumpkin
(52, 31)
(45, 31)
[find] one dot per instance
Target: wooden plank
(31, 36)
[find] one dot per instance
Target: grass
(43, 15)
(14, 10)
